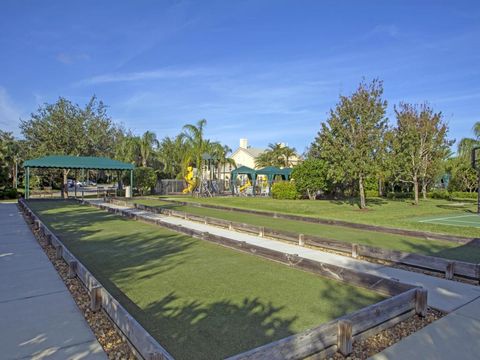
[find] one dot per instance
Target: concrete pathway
(444, 295)
(38, 317)
(455, 336)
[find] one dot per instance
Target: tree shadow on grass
(356, 201)
(193, 329)
(97, 239)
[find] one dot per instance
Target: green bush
(284, 190)
(8, 193)
(144, 179)
(371, 193)
(311, 177)
(439, 194)
(399, 195)
(463, 195)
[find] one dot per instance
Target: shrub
(9, 193)
(144, 178)
(439, 194)
(284, 190)
(310, 177)
(463, 195)
(399, 195)
(371, 193)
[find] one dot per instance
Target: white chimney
(244, 143)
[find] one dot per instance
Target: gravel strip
(386, 338)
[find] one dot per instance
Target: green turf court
(199, 300)
(439, 248)
(454, 219)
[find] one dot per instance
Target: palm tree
(466, 145)
(288, 153)
(277, 155)
(220, 153)
(171, 154)
(193, 136)
(148, 143)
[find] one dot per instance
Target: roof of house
(77, 162)
(253, 152)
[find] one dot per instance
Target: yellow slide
(245, 186)
(191, 181)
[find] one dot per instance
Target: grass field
(390, 213)
(200, 300)
(439, 248)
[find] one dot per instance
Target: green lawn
(200, 300)
(439, 248)
(390, 213)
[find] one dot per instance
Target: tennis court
(465, 220)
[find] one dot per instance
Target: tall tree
(64, 128)
(193, 135)
(351, 139)
(420, 144)
(148, 144)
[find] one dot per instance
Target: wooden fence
(449, 267)
(338, 335)
(143, 343)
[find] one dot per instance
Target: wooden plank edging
(433, 263)
(145, 345)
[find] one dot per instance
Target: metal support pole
(478, 191)
(27, 184)
(131, 183)
(16, 174)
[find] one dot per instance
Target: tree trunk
(424, 189)
(311, 195)
(362, 193)
(65, 185)
(415, 189)
(380, 187)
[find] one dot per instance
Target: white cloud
(9, 113)
(167, 73)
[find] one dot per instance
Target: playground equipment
(191, 181)
(245, 186)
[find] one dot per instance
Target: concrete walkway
(39, 318)
(444, 295)
(455, 336)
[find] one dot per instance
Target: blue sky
(265, 70)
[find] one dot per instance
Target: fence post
(301, 239)
(421, 302)
(96, 298)
(344, 337)
(48, 238)
(58, 252)
(72, 269)
(261, 231)
(449, 270)
(354, 251)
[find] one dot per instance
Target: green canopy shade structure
(272, 171)
(243, 170)
(74, 162)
